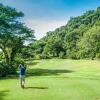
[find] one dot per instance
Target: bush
(45, 56)
(38, 56)
(98, 56)
(42, 56)
(73, 55)
(62, 55)
(6, 70)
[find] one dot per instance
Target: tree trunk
(12, 56)
(6, 55)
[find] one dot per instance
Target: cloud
(43, 26)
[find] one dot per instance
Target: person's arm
(25, 69)
(19, 66)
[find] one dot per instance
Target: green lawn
(55, 79)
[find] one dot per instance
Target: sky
(47, 15)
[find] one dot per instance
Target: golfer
(22, 69)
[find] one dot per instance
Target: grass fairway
(56, 79)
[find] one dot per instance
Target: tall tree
(13, 33)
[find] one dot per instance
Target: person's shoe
(23, 86)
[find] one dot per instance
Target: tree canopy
(13, 33)
(79, 38)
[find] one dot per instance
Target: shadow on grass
(39, 72)
(9, 77)
(36, 88)
(46, 72)
(3, 94)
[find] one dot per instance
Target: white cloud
(43, 26)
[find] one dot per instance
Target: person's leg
(21, 81)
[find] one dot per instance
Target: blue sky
(47, 15)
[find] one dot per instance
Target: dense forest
(78, 39)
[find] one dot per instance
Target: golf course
(55, 79)
(49, 49)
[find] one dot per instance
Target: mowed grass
(55, 79)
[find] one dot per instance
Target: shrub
(42, 56)
(98, 56)
(45, 56)
(6, 70)
(73, 55)
(62, 55)
(38, 56)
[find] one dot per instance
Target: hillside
(79, 38)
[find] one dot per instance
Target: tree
(13, 33)
(73, 39)
(91, 42)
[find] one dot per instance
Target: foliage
(79, 38)
(27, 52)
(62, 55)
(13, 33)
(6, 69)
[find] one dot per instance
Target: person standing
(22, 73)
